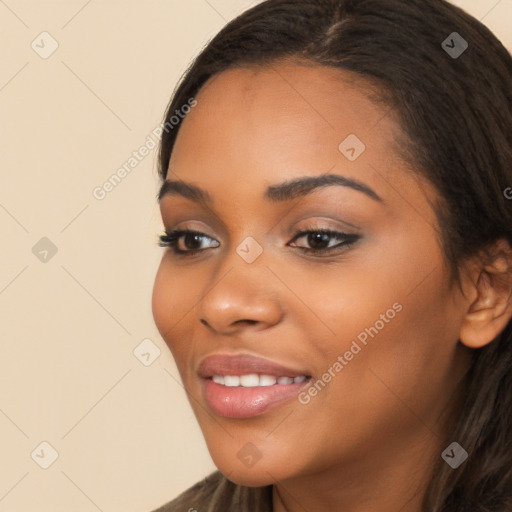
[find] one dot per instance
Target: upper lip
(243, 364)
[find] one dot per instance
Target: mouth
(246, 386)
(253, 380)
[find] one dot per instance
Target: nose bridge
(246, 254)
(241, 289)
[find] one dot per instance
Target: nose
(244, 295)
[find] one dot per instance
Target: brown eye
(191, 239)
(319, 240)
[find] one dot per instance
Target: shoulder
(200, 493)
(216, 493)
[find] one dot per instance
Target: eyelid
(202, 228)
(325, 224)
(321, 223)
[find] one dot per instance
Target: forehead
(259, 125)
(288, 110)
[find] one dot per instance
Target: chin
(250, 477)
(262, 472)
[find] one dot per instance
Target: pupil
(316, 239)
(188, 236)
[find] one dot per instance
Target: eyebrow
(285, 191)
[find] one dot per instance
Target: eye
(319, 240)
(191, 241)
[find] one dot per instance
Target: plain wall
(126, 437)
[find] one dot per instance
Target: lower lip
(240, 402)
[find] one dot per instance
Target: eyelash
(171, 239)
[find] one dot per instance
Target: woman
(336, 290)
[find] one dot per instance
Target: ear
(491, 290)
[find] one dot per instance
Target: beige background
(126, 438)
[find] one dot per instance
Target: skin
(368, 439)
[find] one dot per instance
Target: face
(342, 283)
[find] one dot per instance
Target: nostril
(237, 322)
(250, 322)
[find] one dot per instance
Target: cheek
(390, 316)
(161, 301)
(172, 301)
(399, 352)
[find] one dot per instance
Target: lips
(277, 386)
(245, 364)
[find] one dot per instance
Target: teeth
(253, 380)
(267, 380)
(231, 380)
(219, 379)
(249, 381)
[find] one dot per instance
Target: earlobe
(491, 310)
